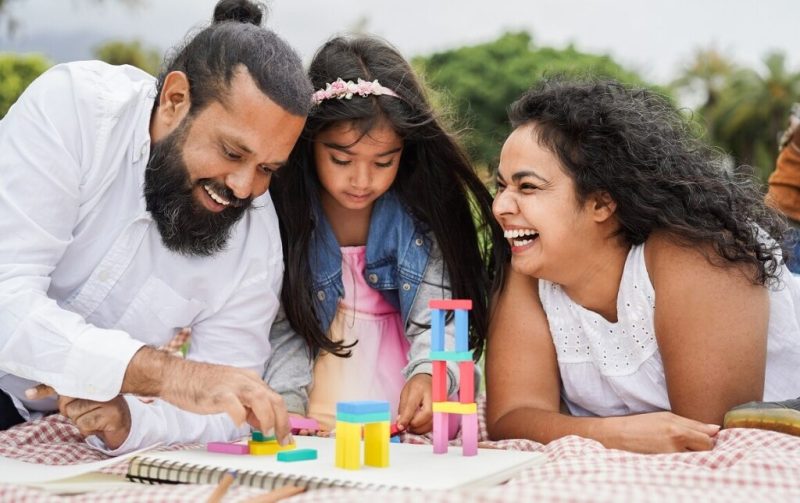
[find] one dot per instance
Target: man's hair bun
(242, 11)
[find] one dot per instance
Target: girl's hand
(659, 432)
(110, 421)
(416, 413)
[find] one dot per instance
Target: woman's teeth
(527, 235)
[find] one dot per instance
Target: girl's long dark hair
(634, 145)
(435, 182)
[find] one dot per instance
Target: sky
(654, 38)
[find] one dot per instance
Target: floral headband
(340, 89)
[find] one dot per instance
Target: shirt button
(406, 287)
(103, 276)
(418, 242)
(373, 278)
(321, 295)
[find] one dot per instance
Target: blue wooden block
(395, 440)
(462, 330)
(297, 455)
(362, 407)
(437, 330)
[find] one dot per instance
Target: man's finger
(39, 392)
(75, 409)
(230, 404)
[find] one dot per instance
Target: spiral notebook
(411, 467)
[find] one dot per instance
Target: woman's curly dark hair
(634, 145)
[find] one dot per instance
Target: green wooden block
(297, 455)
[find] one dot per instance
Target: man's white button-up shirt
(85, 280)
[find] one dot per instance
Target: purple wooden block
(440, 432)
(469, 434)
(227, 448)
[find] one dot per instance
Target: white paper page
(410, 466)
(13, 471)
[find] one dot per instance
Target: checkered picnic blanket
(746, 465)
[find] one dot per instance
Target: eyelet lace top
(610, 369)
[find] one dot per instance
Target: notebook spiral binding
(148, 471)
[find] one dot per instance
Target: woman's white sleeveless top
(613, 369)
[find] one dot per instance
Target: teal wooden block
(452, 356)
(297, 455)
(257, 436)
(375, 417)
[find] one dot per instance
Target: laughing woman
(647, 293)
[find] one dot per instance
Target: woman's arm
(711, 326)
(522, 382)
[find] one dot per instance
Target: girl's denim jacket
(403, 262)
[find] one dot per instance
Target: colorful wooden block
(469, 434)
(440, 432)
(437, 330)
(348, 445)
(450, 304)
(268, 448)
(439, 381)
(466, 393)
(451, 356)
(374, 417)
(303, 423)
(257, 436)
(394, 440)
(297, 455)
(227, 448)
(376, 444)
(394, 430)
(455, 407)
(462, 330)
(362, 407)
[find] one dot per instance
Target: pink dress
(374, 371)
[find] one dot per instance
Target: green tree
(479, 82)
(129, 53)
(16, 72)
(746, 109)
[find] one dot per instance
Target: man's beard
(186, 227)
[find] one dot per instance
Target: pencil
(224, 483)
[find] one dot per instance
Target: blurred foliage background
(740, 109)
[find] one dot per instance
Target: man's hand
(206, 388)
(110, 421)
(416, 408)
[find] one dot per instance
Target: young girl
(380, 212)
(648, 293)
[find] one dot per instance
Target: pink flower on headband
(340, 89)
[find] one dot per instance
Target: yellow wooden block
(348, 445)
(455, 407)
(376, 441)
(269, 448)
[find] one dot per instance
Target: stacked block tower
(466, 406)
(374, 417)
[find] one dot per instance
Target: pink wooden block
(450, 304)
(303, 423)
(440, 432)
(227, 448)
(466, 393)
(469, 434)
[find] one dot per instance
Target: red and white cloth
(746, 465)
